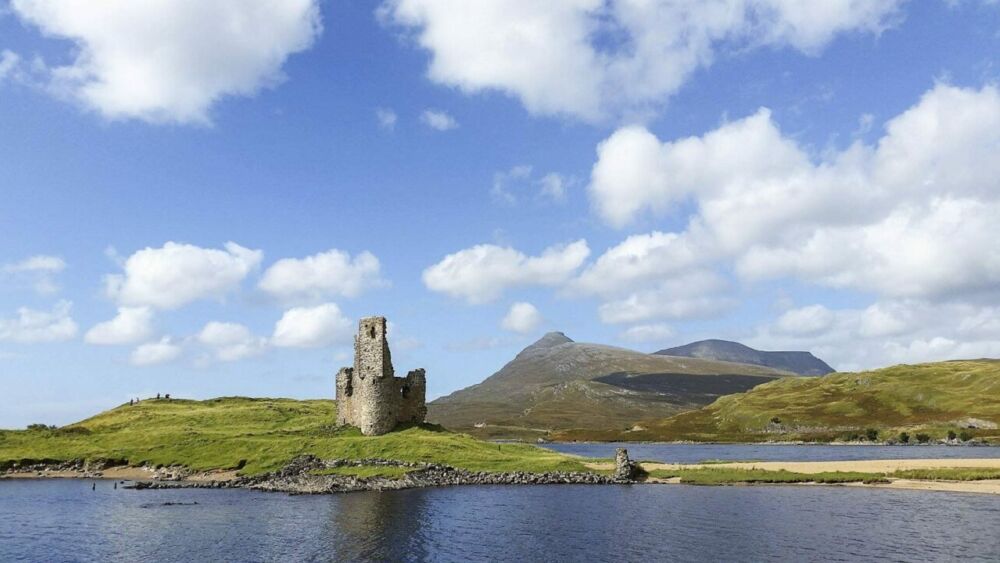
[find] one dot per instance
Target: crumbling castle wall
(413, 390)
(369, 396)
(345, 396)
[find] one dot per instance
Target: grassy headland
(958, 400)
(257, 436)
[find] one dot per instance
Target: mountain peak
(802, 363)
(551, 339)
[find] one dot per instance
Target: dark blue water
(55, 521)
(693, 453)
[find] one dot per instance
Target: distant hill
(960, 396)
(558, 384)
(802, 363)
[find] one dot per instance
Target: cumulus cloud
(177, 274)
(695, 294)
(658, 333)
(805, 321)
(153, 353)
(169, 61)
(638, 260)
(886, 332)
(312, 327)
(438, 120)
(230, 342)
(482, 273)
(32, 326)
(522, 318)
(328, 274)
(129, 326)
(593, 59)
(920, 223)
(38, 271)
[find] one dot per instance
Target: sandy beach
(864, 466)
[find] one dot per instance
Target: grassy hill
(258, 435)
(929, 398)
(557, 384)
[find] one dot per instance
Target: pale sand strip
(864, 466)
(989, 487)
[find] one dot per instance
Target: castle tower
(369, 395)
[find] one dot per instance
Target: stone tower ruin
(369, 395)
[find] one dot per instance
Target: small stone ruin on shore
(369, 395)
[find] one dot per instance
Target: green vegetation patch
(732, 476)
(905, 403)
(366, 471)
(950, 474)
(258, 436)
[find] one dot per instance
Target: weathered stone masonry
(369, 395)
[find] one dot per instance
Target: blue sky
(481, 173)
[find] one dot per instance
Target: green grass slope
(258, 435)
(932, 398)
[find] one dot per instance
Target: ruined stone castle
(369, 395)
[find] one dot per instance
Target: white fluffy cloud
(655, 333)
(328, 274)
(438, 120)
(522, 318)
(129, 326)
(169, 60)
(39, 270)
(595, 58)
(805, 321)
(920, 223)
(312, 327)
(177, 274)
(32, 326)
(482, 273)
(152, 353)
(230, 342)
(638, 260)
(886, 333)
(695, 294)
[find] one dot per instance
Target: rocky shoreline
(299, 477)
(303, 475)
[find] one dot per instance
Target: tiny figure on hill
(130, 402)
(168, 396)
(157, 396)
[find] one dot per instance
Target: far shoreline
(301, 480)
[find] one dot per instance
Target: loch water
(64, 520)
